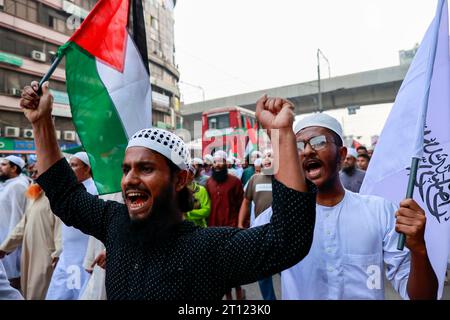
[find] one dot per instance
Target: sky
(236, 46)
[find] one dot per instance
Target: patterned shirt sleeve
(252, 254)
(71, 202)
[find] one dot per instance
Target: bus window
(221, 121)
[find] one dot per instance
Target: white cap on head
(208, 159)
(83, 157)
(197, 161)
(18, 161)
(258, 162)
(267, 152)
(164, 142)
(230, 160)
(220, 155)
(319, 120)
(352, 152)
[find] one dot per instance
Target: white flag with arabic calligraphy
(419, 126)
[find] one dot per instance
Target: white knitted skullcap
(319, 120)
(18, 161)
(352, 152)
(82, 156)
(222, 155)
(166, 143)
(267, 152)
(208, 159)
(197, 161)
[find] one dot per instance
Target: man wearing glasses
(354, 235)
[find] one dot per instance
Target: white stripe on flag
(387, 175)
(130, 91)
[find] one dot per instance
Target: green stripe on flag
(96, 120)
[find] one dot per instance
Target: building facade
(31, 32)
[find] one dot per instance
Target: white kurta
(39, 233)
(95, 288)
(70, 276)
(12, 207)
(354, 242)
(6, 291)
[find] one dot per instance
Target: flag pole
(409, 194)
(49, 73)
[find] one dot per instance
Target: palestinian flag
(252, 144)
(108, 84)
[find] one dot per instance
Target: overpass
(357, 89)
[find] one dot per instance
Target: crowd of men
(195, 229)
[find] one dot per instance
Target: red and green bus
(232, 129)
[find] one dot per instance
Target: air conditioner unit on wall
(28, 133)
(12, 132)
(38, 55)
(69, 135)
(58, 134)
(15, 92)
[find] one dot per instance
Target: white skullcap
(230, 160)
(197, 161)
(352, 152)
(220, 155)
(267, 152)
(237, 161)
(319, 120)
(208, 159)
(18, 161)
(164, 142)
(83, 157)
(257, 162)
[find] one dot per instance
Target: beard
(220, 175)
(348, 169)
(3, 177)
(159, 225)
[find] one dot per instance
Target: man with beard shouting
(152, 252)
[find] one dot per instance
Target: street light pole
(319, 92)
(195, 86)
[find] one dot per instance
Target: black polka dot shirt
(193, 263)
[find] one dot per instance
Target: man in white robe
(6, 291)
(70, 276)
(12, 207)
(39, 233)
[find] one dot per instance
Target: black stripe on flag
(136, 27)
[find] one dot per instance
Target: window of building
(154, 23)
(25, 9)
(10, 80)
(22, 45)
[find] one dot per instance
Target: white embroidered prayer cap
(18, 161)
(220, 155)
(352, 152)
(164, 142)
(83, 157)
(208, 159)
(319, 120)
(197, 161)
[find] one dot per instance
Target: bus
(232, 129)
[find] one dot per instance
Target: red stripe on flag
(251, 132)
(103, 33)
